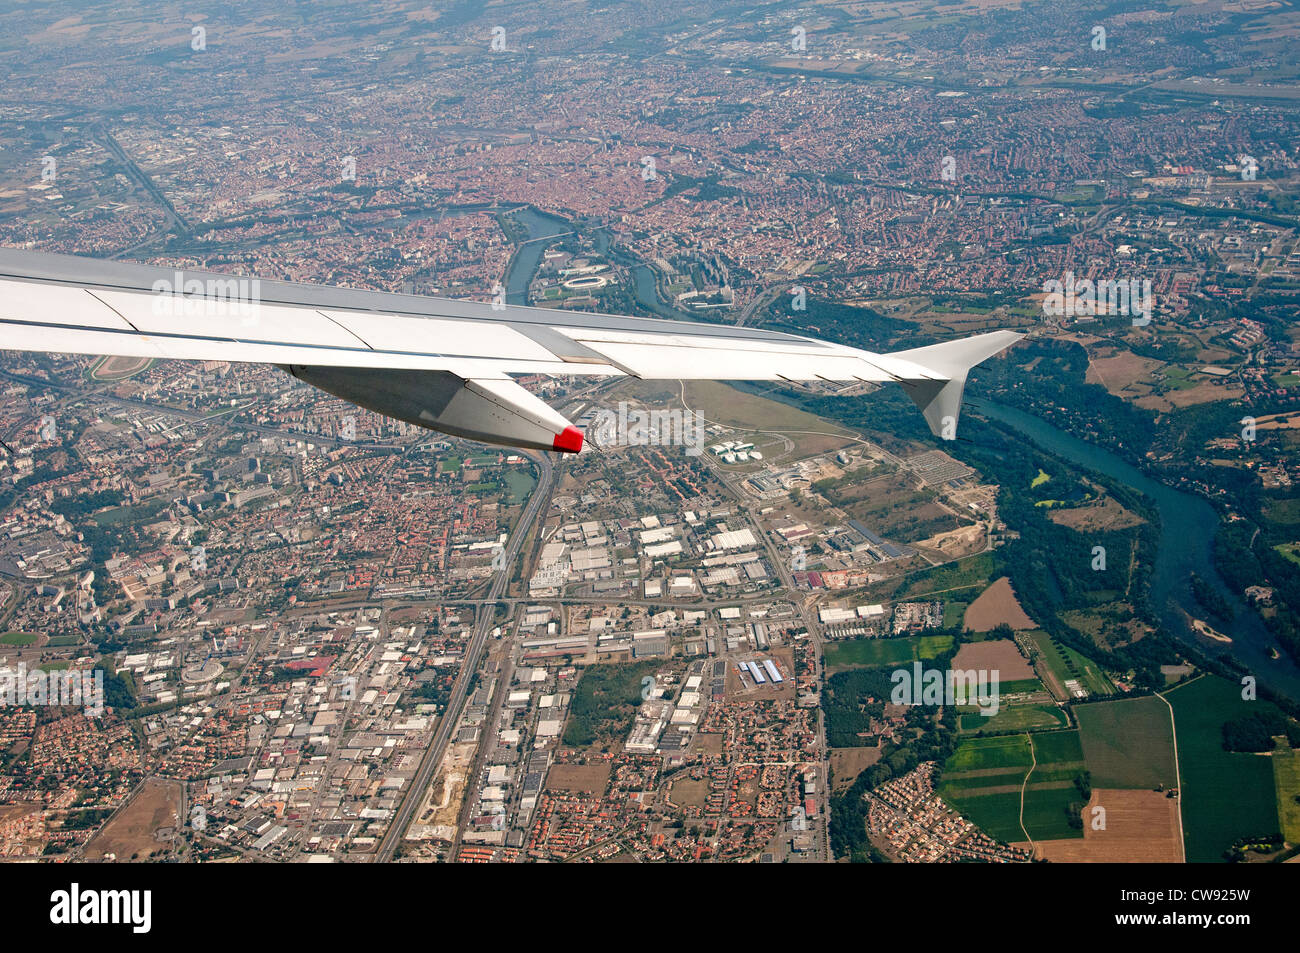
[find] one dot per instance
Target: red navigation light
(568, 441)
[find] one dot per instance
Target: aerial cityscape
(781, 620)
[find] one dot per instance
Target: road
(433, 755)
(1178, 776)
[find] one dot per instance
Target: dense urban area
(323, 635)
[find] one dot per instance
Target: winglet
(940, 400)
(569, 441)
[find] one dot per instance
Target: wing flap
(25, 301)
(220, 319)
(392, 332)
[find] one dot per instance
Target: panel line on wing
(345, 328)
(114, 310)
(172, 346)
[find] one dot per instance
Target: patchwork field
(1129, 743)
(1226, 795)
(1185, 394)
(984, 777)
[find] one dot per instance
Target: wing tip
(569, 440)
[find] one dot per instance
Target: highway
(413, 795)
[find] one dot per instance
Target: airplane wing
(441, 364)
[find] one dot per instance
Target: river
(542, 229)
(1188, 523)
(1188, 527)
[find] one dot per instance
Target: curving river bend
(1187, 530)
(1188, 523)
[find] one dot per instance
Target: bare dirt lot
(1202, 393)
(440, 810)
(848, 763)
(1119, 370)
(997, 604)
(954, 544)
(130, 834)
(1104, 515)
(1141, 827)
(588, 778)
(996, 655)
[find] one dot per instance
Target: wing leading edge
(437, 363)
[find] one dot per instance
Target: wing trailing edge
(437, 363)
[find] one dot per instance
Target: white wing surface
(442, 364)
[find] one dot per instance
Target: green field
(1128, 743)
(1065, 663)
(1283, 511)
(18, 638)
(1051, 792)
(1017, 686)
(997, 815)
(973, 572)
(1226, 795)
(872, 653)
(1058, 747)
(1015, 718)
(1286, 781)
(982, 754)
(1290, 551)
(953, 613)
(139, 513)
(975, 784)
(1047, 804)
(519, 484)
(978, 778)
(605, 703)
